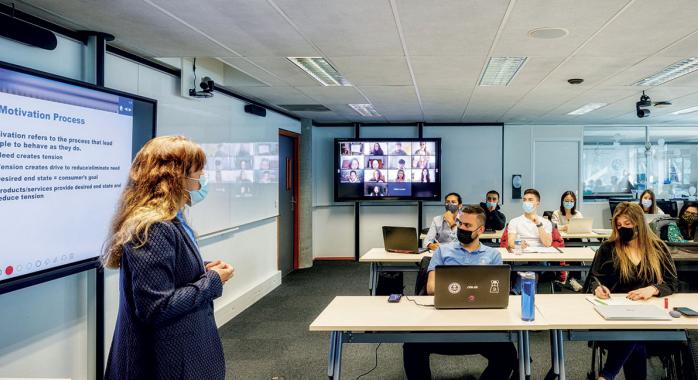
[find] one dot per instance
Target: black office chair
(669, 207)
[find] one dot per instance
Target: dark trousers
(501, 357)
(630, 356)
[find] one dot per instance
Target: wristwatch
(539, 225)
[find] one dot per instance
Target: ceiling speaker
(26, 33)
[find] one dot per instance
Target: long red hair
(155, 191)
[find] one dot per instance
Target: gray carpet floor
(270, 340)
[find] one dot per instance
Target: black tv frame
(336, 167)
(35, 278)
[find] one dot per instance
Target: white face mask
(646, 203)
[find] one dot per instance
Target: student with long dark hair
(567, 211)
(685, 229)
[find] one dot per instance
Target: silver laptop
(649, 218)
(632, 313)
(472, 287)
(580, 226)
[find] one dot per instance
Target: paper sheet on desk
(613, 301)
(541, 250)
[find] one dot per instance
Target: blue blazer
(165, 327)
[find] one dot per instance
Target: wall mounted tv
(387, 169)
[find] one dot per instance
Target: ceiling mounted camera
(206, 85)
(641, 106)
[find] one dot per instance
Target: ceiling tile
(373, 71)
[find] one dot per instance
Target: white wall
(52, 323)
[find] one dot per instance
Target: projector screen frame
(20, 282)
(336, 166)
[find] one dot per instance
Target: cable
(374, 367)
(419, 304)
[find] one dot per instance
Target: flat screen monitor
(65, 152)
(387, 169)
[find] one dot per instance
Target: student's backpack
(389, 283)
(660, 226)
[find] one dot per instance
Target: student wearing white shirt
(443, 227)
(532, 229)
(568, 211)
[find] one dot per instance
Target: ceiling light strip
(365, 110)
(587, 108)
(670, 72)
(321, 70)
(500, 71)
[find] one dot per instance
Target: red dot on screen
(9, 270)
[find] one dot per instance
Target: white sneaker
(576, 286)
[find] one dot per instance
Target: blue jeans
(630, 356)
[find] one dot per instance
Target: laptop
(580, 226)
(632, 313)
(401, 240)
(472, 287)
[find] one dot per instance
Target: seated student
(501, 356)
(685, 230)
(567, 211)
(495, 219)
(442, 229)
(633, 261)
(532, 229)
(649, 203)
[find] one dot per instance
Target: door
(288, 202)
(556, 170)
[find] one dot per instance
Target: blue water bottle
(528, 296)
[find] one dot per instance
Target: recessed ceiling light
(587, 108)
(685, 110)
(548, 33)
(365, 110)
(321, 70)
(671, 72)
(501, 70)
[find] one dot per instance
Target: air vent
(304, 107)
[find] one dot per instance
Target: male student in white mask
(532, 229)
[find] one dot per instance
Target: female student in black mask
(634, 261)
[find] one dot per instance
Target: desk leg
(522, 356)
(561, 354)
(527, 352)
(330, 357)
(553, 352)
(372, 279)
(338, 356)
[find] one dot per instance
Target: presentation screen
(387, 169)
(65, 153)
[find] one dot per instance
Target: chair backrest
(548, 215)
(660, 226)
(420, 285)
(669, 207)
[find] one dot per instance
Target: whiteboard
(242, 157)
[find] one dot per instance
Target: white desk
(596, 234)
(570, 317)
(374, 320)
(383, 261)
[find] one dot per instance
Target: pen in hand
(604, 292)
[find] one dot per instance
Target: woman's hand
(643, 293)
(563, 228)
(524, 244)
(433, 246)
(225, 271)
(602, 292)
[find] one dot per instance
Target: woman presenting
(165, 328)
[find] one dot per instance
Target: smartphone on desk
(393, 298)
(686, 311)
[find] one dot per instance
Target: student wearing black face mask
(634, 261)
(443, 227)
(502, 357)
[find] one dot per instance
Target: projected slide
(65, 153)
